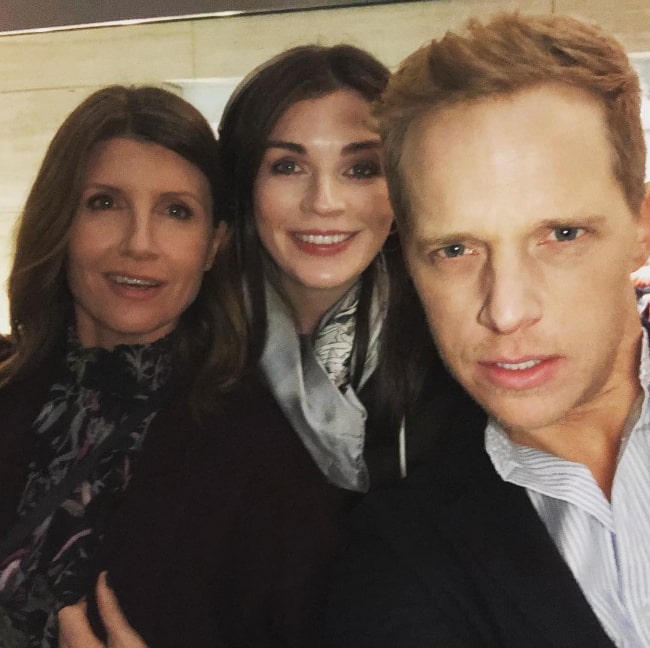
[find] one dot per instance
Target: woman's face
(320, 198)
(140, 241)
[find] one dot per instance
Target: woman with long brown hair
(321, 259)
(136, 438)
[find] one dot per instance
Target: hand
(75, 631)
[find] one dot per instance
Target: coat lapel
(497, 532)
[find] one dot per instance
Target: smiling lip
(126, 285)
(520, 373)
(322, 243)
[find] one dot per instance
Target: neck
(592, 433)
(307, 320)
(310, 305)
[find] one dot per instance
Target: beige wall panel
(232, 46)
(28, 120)
(44, 76)
(7, 220)
(83, 57)
(628, 20)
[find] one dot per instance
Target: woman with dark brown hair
(322, 263)
(135, 439)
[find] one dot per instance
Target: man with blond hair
(515, 161)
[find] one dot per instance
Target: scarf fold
(309, 377)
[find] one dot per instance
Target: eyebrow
(171, 193)
(98, 187)
(102, 186)
(352, 147)
(289, 146)
(181, 194)
(586, 220)
(365, 145)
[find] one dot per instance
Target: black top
(453, 556)
(225, 531)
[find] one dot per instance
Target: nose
(324, 196)
(138, 235)
(512, 298)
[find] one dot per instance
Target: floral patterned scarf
(96, 390)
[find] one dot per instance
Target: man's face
(521, 245)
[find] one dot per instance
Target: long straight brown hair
(210, 341)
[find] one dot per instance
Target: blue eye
(284, 167)
(566, 233)
(452, 251)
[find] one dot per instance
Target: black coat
(453, 556)
(225, 532)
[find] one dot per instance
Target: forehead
(126, 161)
(343, 114)
(541, 153)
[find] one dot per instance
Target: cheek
(265, 232)
(383, 223)
(193, 258)
(82, 250)
(79, 276)
(428, 284)
(269, 216)
(272, 201)
(589, 283)
(272, 232)
(89, 239)
(377, 220)
(444, 319)
(446, 313)
(374, 206)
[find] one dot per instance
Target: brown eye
(366, 169)
(179, 211)
(100, 202)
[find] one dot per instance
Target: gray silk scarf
(309, 377)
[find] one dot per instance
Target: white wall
(44, 75)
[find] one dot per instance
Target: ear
(219, 236)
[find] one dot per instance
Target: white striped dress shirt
(606, 545)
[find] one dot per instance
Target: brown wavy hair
(209, 350)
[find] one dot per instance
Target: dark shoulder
(250, 402)
(441, 410)
(251, 387)
(248, 423)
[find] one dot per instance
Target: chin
(327, 283)
(524, 417)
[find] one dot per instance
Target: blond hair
(506, 55)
